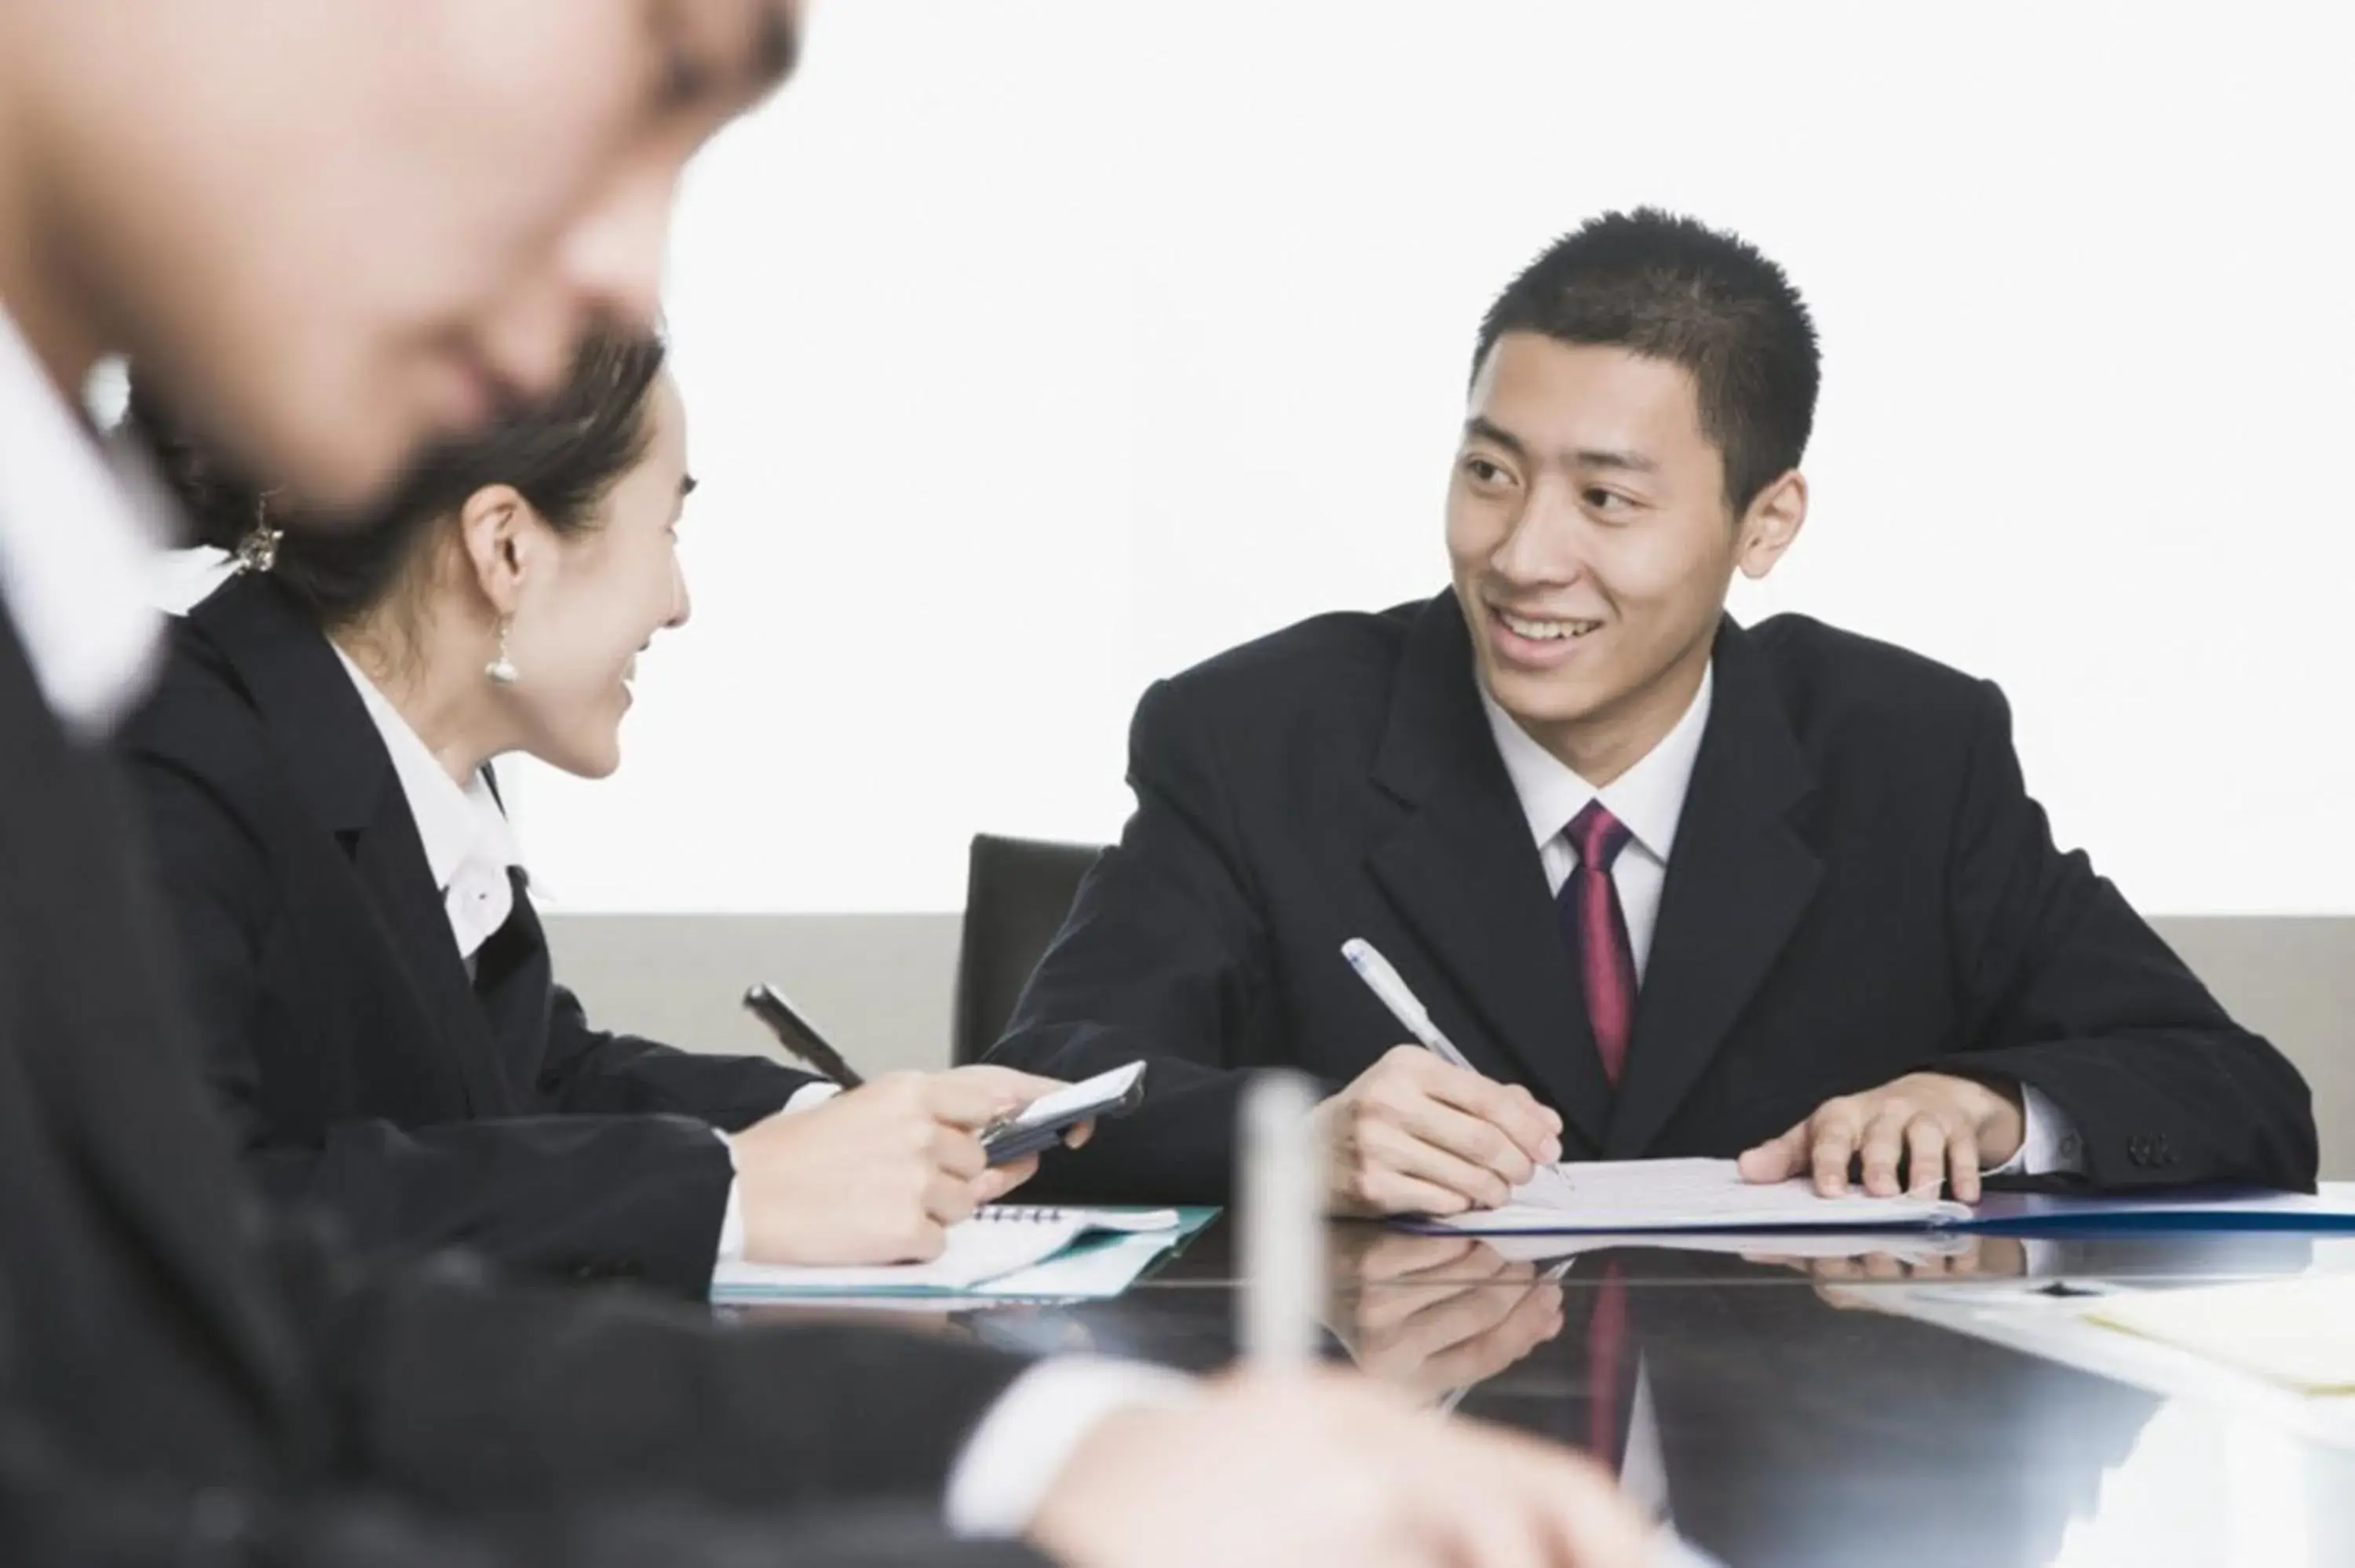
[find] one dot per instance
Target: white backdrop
(1034, 350)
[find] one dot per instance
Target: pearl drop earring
(502, 669)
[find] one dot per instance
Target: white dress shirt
(77, 529)
(1649, 801)
(77, 533)
(469, 846)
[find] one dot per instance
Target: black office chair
(1017, 893)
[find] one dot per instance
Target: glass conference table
(1789, 1411)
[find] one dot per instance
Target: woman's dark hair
(561, 454)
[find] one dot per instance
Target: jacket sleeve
(459, 1395)
(589, 1070)
(2067, 989)
(1161, 958)
(54, 1515)
(634, 1195)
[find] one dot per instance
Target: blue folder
(2179, 1209)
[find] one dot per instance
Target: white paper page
(1093, 1274)
(1688, 1195)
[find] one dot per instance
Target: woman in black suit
(369, 979)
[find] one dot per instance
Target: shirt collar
(1648, 798)
(78, 533)
(457, 826)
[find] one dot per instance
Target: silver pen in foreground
(1283, 1222)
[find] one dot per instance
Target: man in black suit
(1672, 886)
(454, 188)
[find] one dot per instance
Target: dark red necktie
(1606, 1366)
(1597, 928)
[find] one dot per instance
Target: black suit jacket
(1860, 887)
(360, 1066)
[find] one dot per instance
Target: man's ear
(1771, 523)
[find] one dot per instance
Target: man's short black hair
(1671, 288)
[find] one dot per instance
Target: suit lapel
(1463, 872)
(339, 766)
(513, 980)
(391, 862)
(1740, 878)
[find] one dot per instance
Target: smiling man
(1674, 887)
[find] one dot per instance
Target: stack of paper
(1689, 1195)
(1002, 1241)
(1916, 1247)
(1671, 1195)
(2297, 1333)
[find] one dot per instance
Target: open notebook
(1002, 1240)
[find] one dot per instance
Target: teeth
(1546, 630)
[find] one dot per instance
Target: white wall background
(1036, 349)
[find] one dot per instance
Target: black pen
(794, 1033)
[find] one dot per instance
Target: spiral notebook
(1000, 1240)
